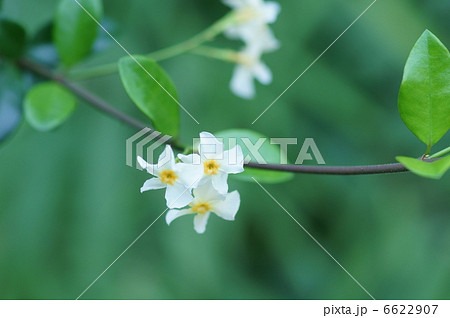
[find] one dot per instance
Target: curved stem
(225, 55)
(441, 153)
(101, 105)
(88, 97)
(333, 170)
(428, 150)
(206, 35)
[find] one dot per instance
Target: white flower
(250, 66)
(177, 178)
(207, 200)
(252, 18)
(214, 164)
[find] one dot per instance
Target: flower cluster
(197, 183)
(253, 17)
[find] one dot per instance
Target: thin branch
(332, 170)
(103, 106)
(88, 97)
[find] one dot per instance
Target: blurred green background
(69, 205)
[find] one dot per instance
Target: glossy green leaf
(151, 95)
(12, 38)
(74, 30)
(425, 90)
(434, 170)
(270, 153)
(11, 95)
(48, 105)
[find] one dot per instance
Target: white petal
(173, 214)
(262, 73)
(255, 44)
(233, 160)
(235, 4)
(258, 39)
(271, 11)
(178, 196)
(142, 162)
(210, 147)
(269, 40)
(193, 158)
(242, 83)
(233, 32)
(203, 181)
(167, 159)
(228, 208)
(151, 184)
(152, 169)
(200, 221)
(189, 174)
(254, 3)
(219, 182)
(250, 34)
(205, 192)
(208, 138)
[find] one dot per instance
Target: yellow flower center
(168, 176)
(201, 207)
(211, 167)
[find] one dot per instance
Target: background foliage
(69, 204)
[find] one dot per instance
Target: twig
(333, 170)
(103, 106)
(88, 97)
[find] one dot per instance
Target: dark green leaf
(48, 105)
(74, 30)
(147, 93)
(434, 170)
(425, 90)
(11, 95)
(12, 38)
(43, 34)
(270, 153)
(42, 49)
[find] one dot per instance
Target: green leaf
(48, 105)
(270, 153)
(11, 95)
(425, 90)
(74, 30)
(12, 38)
(42, 49)
(148, 95)
(434, 169)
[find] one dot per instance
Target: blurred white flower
(249, 67)
(177, 178)
(207, 200)
(253, 17)
(214, 164)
